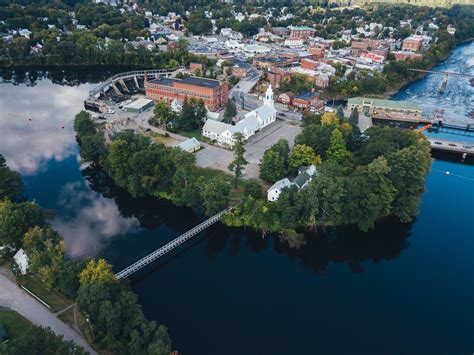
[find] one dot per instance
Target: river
(400, 289)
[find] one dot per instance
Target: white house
(223, 133)
(304, 177)
(22, 260)
(275, 190)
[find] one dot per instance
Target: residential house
(275, 190)
(305, 100)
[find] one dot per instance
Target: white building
(275, 190)
(190, 145)
(223, 133)
(22, 260)
(304, 177)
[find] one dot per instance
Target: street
(13, 297)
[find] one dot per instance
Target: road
(13, 297)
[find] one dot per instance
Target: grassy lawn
(159, 138)
(197, 133)
(14, 323)
(209, 173)
(53, 298)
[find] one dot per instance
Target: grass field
(14, 323)
(54, 299)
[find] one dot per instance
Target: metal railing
(447, 73)
(171, 245)
(153, 72)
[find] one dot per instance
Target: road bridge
(451, 146)
(171, 245)
(153, 73)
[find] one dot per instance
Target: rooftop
(301, 28)
(308, 95)
(400, 105)
(192, 80)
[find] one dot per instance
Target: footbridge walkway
(171, 245)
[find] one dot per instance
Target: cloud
(88, 221)
(29, 145)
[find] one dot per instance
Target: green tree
(198, 23)
(337, 147)
(354, 117)
(408, 169)
(216, 195)
(17, 218)
(303, 155)
(237, 165)
(162, 115)
(230, 111)
(317, 137)
(11, 183)
(45, 248)
(252, 188)
(272, 166)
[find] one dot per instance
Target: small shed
(3, 335)
(22, 260)
(191, 145)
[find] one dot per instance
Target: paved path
(15, 298)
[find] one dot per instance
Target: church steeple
(268, 101)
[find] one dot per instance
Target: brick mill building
(301, 32)
(214, 93)
(412, 44)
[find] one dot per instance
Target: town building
(412, 44)
(267, 61)
(321, 81)
(223, 133)
(241, 69)
(197, 66)
(374, 106)
(301, 32)
(310, 64)
(317, 52)
(276, 75)
(214, 93)
(404, 55)
(286, 98)
(306, 100)
(138, 106)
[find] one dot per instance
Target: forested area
(116, 317)
(360, 179)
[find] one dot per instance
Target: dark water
(400, 289)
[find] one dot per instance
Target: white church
(223, 133)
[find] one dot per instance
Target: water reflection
(342, 245)
(36, 124)
(88, 220)
(58, 75)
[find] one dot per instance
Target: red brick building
(321, 81)
(406, 55)
(214, 93)
(412, 44)
(359, 45)
(241, 69)
(276, 75)
(317, 52)
(286, 98)
(197, 66)
(301, 32)
(306, 100)
(309, 64)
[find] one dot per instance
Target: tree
(252, 188)
(162, 115)
(317, 137)
(230, 111)
(272, 166)
(216, 194)
(303, 155)
(198, 23)
(11, 183)
(237, 166)
(337, 147)
(340, 112)
(45, 249)
(369, 194)
(17, 218)
(282, 147)
(309, 118)
(354, 117)
(329, 118)
(408, 170)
